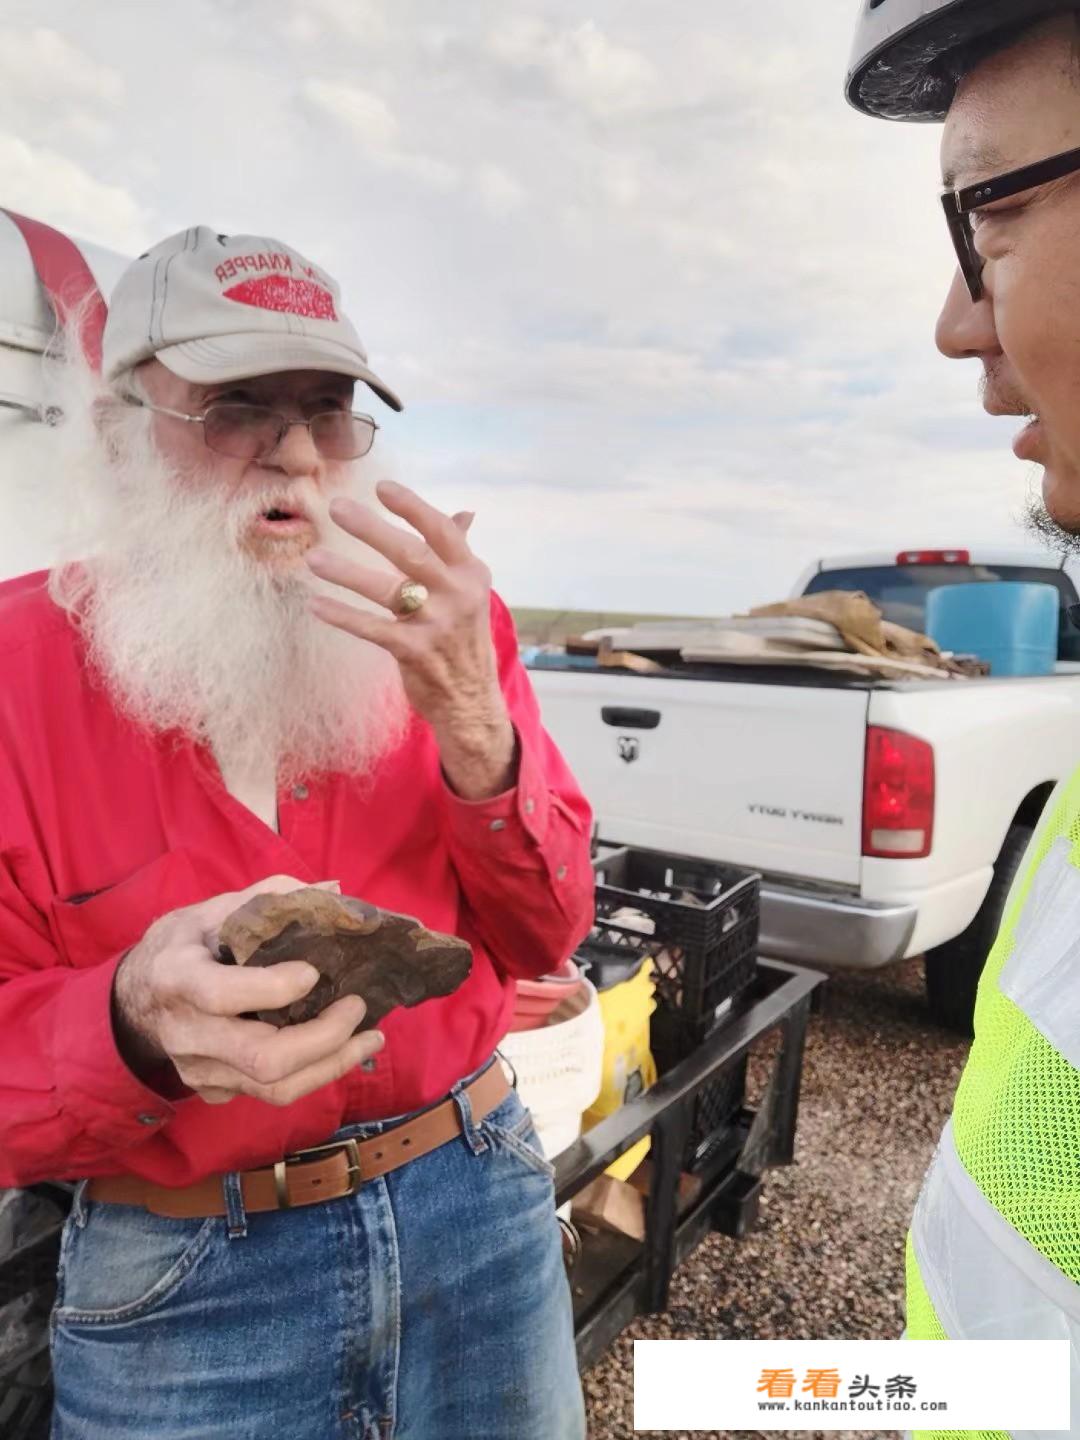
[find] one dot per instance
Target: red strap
(66, 279)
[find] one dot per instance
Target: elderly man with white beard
(247, 679)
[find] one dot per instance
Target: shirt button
(530, 805)
(368, 1065)
(300, 792)
(498, 824)
(149, 1119)
(560, 873)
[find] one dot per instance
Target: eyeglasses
(254, 432)
(959, 204)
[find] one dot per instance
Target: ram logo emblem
(629, 748)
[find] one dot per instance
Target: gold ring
(411, 597)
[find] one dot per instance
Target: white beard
(191, 633)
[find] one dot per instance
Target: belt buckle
(352, 1152)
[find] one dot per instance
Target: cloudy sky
(659, 304)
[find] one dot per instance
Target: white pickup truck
(887, 817)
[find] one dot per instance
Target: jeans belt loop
(504, 1060)
(235, 1213)
(78, 1204)
(476, 1142)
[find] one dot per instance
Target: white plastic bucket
(559, 1068)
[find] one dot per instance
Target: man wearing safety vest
(994, 1249)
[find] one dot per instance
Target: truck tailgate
(764, 775)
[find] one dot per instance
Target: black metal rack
(615, 1277)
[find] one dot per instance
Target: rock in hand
(358, 949)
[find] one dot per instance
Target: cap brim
(241, 357)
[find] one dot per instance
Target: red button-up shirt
(103, 828)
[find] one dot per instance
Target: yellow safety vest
(994, 1247)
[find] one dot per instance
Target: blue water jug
(1011, 624)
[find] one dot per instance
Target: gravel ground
(827, 1258)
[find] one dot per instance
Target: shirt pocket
(92, 929)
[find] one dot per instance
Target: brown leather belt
(342, 1167)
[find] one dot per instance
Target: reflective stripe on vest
(1042, 975)
(994, 1250)
(1016, 1118)
(984, 1280)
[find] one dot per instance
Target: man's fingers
(239, 989)
(414, 555)
(361, 623)
(209, 1047)
(381, 586)
(353, 1053)
(214, 1096)
(270, 1058)
(211, 1077)
(208, 915)
(438, 529)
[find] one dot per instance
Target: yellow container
(629, 1067)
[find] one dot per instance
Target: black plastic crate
(703, 945)
(706, 918)
(610, 958)
(715, 1107)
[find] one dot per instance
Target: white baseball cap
(227, 307)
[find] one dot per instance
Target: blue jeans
(431, 1305)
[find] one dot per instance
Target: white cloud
(39, 182)
(368, 116)
(659, 304)
(356, 20)
(580, 63)
(500, 193)
(375, 128)
(40, 64)
(83, 125)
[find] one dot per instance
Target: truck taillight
(898, 795)
(934, 557)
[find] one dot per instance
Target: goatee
(1045, 530)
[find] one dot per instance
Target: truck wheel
(953, 969)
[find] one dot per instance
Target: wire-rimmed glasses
(254, 432)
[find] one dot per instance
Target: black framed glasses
(254, 432)
(959, 204)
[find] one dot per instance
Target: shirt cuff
(92, 1078)
(520, 812)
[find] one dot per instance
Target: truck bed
(764, 767)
